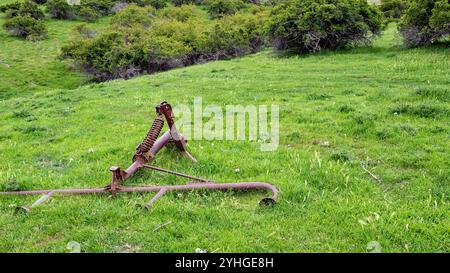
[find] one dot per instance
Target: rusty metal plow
(145, 153)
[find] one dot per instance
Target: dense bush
(130, 46)
(60, 9)
(219, 8)
(134, 15)
(270, 2)
(13, 6)
(87, 13)
(24, 20)
(236, 35)
(93, 9)
(88, 9)
(425, 21)
(185, 2)
(106, 56)
(191, 33)
(118, 6)
(393, 9)
(40, 1)
(27, 8)
(313, 25)
(102, 7)
(182, 13)
(122, 54)
(26, 27)
(143, 40)
(158, 4)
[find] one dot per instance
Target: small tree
(236, 35)
(134, 15)
(393, 9)
(60, 9)
(182, 13)
(27, 8)
(425, 21)
(157, 4)
(314, 25)
(26, 27)
(219, 8)
(11, 6)
(99, 7)
(185, 2)
(88, 13)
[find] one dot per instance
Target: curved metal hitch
(145, 153)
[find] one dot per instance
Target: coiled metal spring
(152, 135)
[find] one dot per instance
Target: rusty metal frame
(145, 153)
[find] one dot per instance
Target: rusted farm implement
(145, 153)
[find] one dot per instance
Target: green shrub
(26, 27)
(101, 7)
(236, 35)
(271, 3)
(87, 13)
(123, 54)
(182, 13)
(157, 4)
(88, 9)
(27, 8)
(91, 10)
(134, 15)
(106, 56)
(191, 33)
(219, 8)
(60, 9)
(162, 53)
(143, 40)
(393, 9)
(425, 21)
(12, 6)
(31, 9)
(185, 2)
(310, 26)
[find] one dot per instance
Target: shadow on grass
(360, 50)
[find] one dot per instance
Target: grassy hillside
(28, 67)
(384, 105)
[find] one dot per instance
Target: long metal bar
(175, 173)
(161, 142)
(208, 186)
(41, 200)
(149, 204)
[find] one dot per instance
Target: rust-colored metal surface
(145, 153)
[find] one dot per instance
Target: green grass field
(383, 105)
(27, 68)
